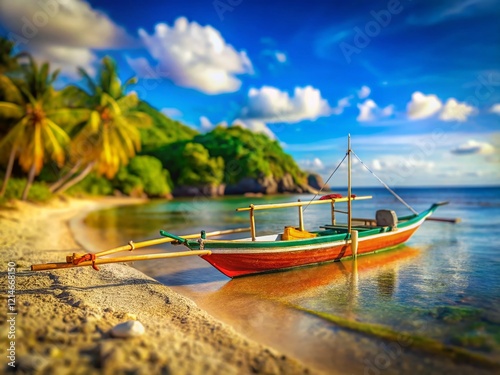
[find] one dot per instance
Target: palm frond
(128, 102)
(57, 139)
(54, 76)
(88, 80)
(108, 101)
(69, 117)
(139, 119)
(42, 80)
(11, 110)
(10, 92)
(129, 82)
(94, 122)
(16, 135)
(26, 91)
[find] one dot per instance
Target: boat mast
(349, 212)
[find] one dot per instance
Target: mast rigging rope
(320, 190)
(385, 185)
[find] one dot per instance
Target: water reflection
(337, 282)
(386, 283)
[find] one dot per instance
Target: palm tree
(8, 61)
(110, 136)
(36, 134)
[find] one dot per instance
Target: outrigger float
(294, 247)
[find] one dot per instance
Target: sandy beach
(64, 317)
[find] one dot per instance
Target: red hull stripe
(239, 262)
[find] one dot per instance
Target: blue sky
(416, 83)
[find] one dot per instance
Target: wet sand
(64, 317)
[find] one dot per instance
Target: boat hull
(234, 262)
(272, 253)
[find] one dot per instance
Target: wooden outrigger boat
(288, 250)
(294, 247)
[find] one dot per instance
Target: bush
(39, 191)
(191, 164)
(144, 174)
(128, 184)
(91, 185)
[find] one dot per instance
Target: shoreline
(64, 317)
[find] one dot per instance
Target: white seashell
(132, 328)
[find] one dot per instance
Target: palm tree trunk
(66, 177)
(77, 179)
(31, 177)
(8, 172)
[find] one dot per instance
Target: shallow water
(443, 286)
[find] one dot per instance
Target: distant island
(104, 140)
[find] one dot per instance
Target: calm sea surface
(441, 290)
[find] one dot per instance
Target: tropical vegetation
(101, 139)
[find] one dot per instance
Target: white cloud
(366, 110)
(194, 56)
(376, 165)
(422, 106)
(280, 57)
(256, 126)
(448, 10)
(271, 105)
(341, 104)
(369, 111)
(66, 58)
(455, 111)
(207, 125)
(318, 163)
(364, 92)
(62, 22)
(473, 147)
(142, 68)
(315, 165)
(495, 108)
(171, 112)
(62, 31)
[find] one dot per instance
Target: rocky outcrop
(248, 185)
(266, 185)
(316, 182)
(194, 191)
(287, 185)
(263, 185)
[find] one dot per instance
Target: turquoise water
(443, 285)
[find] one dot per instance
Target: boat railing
(256, 207)
(300, 205)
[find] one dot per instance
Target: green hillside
(226, 155)
(163, 129)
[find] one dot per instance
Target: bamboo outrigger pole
(130, 258)
(138, 245)
(80, 260)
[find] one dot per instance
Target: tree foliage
(226, 155)
(248, 154)
(144, 174)
(190, 164)
(163, 130)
